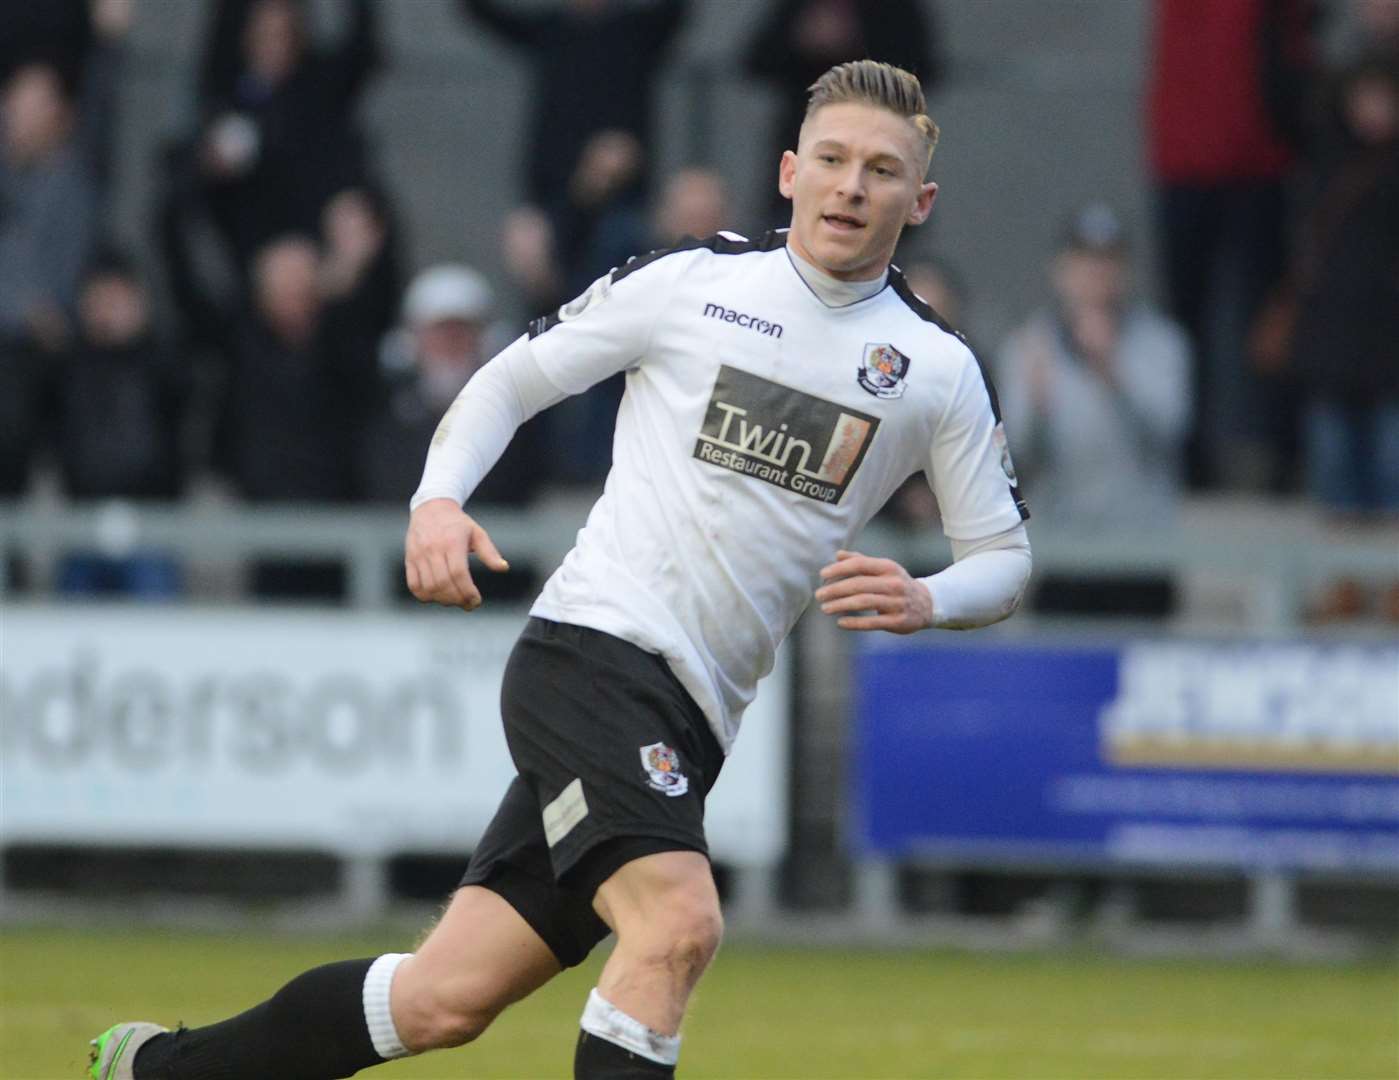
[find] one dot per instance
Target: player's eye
(829, 159)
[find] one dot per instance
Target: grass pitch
(769, 1013)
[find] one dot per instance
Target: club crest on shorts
(882, 371)
(662, 765)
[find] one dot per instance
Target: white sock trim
(606, 1021)
(377, 981)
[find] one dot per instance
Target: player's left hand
(883, 593)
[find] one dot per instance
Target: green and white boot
(114, 1051)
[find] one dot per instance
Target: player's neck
(832, 291)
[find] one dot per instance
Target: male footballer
(778, 392)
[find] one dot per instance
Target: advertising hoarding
(1254, 755)
(361, 734)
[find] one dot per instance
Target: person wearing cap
(423, 364)
(1096, 387)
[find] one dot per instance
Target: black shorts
(615, 760)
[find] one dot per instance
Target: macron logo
(748, 322)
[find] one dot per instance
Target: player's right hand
(440, 538)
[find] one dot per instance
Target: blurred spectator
(556, 253)
(278, 137)
(57, 31)
(48, 209)
(801, 39)
(356, 278)
(527, 249)
(1095, 393)
(1371, 30)
(694, 202)
(554, 256)
(601, 222)
(941, 288)
(279, 133)
(1345, 344)
(594, 65)
(121, 394)
(81, 40)
(299, 386)
(1226, 101)
(1096, 390)
(553, 253)
(359, 259)
(301, 375)
(423, 365)
(120, 404)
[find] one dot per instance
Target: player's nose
(851, 184)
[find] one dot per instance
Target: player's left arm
(984, 585)
(974, 481)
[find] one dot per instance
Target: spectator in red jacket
(1224, 111)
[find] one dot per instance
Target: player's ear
(923, 205)
(787, 173)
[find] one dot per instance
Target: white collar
(831, 291)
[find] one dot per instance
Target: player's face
(855, 181)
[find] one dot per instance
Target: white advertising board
(363, 734)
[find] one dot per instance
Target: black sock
(598, 1059)
(311, 1029)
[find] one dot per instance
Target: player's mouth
(843, 222)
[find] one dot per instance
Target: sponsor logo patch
(882, 371)
(662, 765)
(789, 439)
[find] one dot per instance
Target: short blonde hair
(873, 83)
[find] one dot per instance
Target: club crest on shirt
(882, 370)
(662, 765)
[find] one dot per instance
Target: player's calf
(658, 960)
(319, 1026)
(665, 911)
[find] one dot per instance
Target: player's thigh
(480, 957)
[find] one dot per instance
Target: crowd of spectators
(277, 345)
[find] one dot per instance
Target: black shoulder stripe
(718, 243)
(925, 312)
(918, 305)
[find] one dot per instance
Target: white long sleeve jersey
(759, 432)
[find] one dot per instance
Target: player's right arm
(604, 331)
(470, 438)
(441, 538)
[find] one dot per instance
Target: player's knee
(685, 934)
(666, 912)
(698, 934)
(445, 1012)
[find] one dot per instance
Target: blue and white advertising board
(1237, 755)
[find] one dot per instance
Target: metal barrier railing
(1273, 557)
